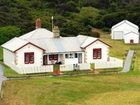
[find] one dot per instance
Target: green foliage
(8, 32)
(72, 16)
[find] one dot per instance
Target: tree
(8, 32)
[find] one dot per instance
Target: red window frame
(29, 58)
(53, 57)
(97, 53)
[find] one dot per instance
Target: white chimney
(56, 32)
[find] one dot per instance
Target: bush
(94, 34)
(106, 29)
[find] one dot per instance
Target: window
(66, 55)
(53, 57)
(69, 55)
(76, 55)
(29, 58)
(97, 53)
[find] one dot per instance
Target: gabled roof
(88, 41)
(82, 38)
(132, 32)
(14, 44)
(17, 43)
(37, 34)
(127, 22)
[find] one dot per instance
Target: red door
(131, 41)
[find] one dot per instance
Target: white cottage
(41, 47)
(125, 30)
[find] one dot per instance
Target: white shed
(119, 30)
(131, 37)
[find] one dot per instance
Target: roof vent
(38, 23)
(56, 32)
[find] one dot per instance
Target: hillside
(72, 16)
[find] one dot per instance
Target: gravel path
(128, 61)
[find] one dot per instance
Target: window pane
(71, 56)
(75, 55)
(29, 58)
(50, 57)
(97, 53)
(26, 58)
(55, 57)
(66, 55)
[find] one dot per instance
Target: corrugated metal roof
(37, 34)
(14, 44)
(62, 44)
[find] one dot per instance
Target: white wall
(125, 28)
(71, 60)
(8, 57)
(38, 55)
(89, 52)
(130, 36)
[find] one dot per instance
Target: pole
(52, 23)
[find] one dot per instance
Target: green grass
(82, 90)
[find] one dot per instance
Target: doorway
(131, 41)
(45, 60)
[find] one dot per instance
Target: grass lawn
(102, 89)
(120, 89)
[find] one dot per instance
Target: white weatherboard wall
(89, 52)
(38, 55)
(9, 57)
(124, 28)
(131, 36)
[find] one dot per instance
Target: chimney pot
(38, 23)
(56, 32)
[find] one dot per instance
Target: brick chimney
(38, 23)
(56, 32)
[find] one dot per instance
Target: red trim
(94, 42)
(31, 44)
(29, 58)
(97, 53)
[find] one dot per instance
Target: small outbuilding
(125, 30)
(131, 37)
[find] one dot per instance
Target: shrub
(94, 34)
(106, 29)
